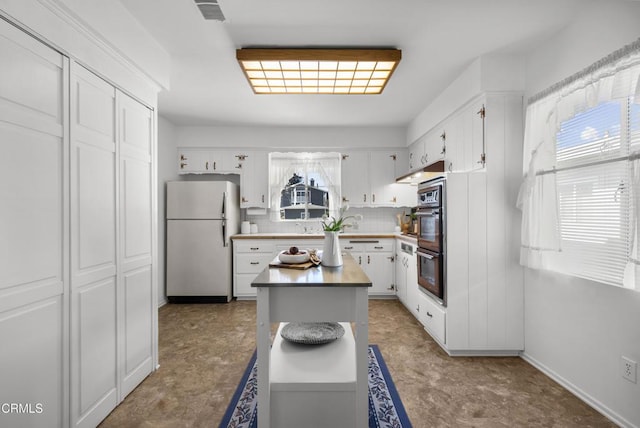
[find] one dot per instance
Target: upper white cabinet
(254, 179)
(207, 161)
(368, 180)
(459, 141)
(355, 179)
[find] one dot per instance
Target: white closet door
(136, 304)
(33, 277)
(94, 207)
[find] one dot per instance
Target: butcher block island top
(347, 275)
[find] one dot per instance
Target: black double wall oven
(431, 238)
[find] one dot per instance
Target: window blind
(593, 179)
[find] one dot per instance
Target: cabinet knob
(214, 166)
(206, 165)
(364, 196)
(183, 158)
(263, 199)
(368, 260)
(254, 263)
(244, 199)
(239, 166)
(345, 199)
(429, 314)
(182, 165)
(373, 198)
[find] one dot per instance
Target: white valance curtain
(282, 166)
(614, 77)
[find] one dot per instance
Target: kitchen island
(313, 295)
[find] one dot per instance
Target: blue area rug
(385, 408)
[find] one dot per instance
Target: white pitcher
(331, 253)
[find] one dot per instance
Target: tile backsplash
(381, 220)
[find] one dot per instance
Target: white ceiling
(438, 38)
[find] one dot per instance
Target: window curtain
(283, 165)
(614, 77)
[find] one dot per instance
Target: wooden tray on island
(300, 266)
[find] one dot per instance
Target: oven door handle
(429, 256)
(433, 212)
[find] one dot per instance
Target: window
(580, 197)
(304, 186)
(593, 182)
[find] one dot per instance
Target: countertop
(367, 235)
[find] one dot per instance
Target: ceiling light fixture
(318, 71)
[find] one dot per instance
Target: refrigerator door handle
(225, 241)
(224, 205)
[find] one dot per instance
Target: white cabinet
(484, 282)
(355, 179)
(250, 257)
(34, 231)
(435, 148)
(382, 178)
(254, 179)
(416, 154)
(376, 257)
(472, 118)
(369, 180)
(112, 287)
(433, 316)
(485, 292)
(401, 274)
(407, 276)
(207, 161)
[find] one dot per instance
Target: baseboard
(595, 404)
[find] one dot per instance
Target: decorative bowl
(300, 257)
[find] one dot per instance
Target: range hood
(418, 176)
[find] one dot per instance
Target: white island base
(313, 386)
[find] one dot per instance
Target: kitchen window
(304, 186)
(581, 194)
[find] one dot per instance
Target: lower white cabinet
(407, 276)
(375, 256)
(432, 315)
(249, 259)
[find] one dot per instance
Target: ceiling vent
(210, 9)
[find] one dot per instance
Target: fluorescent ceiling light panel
(318, 71)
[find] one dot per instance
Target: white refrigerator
(201, 216)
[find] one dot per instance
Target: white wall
(297, 138)
(577, 330)
(167, 170)
(102, 36)
(503, 73)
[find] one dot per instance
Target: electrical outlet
(629, 369)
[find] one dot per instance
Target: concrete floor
(204, 350)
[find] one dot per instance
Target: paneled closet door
(33, 248)
(94, 208)
(135, 301)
